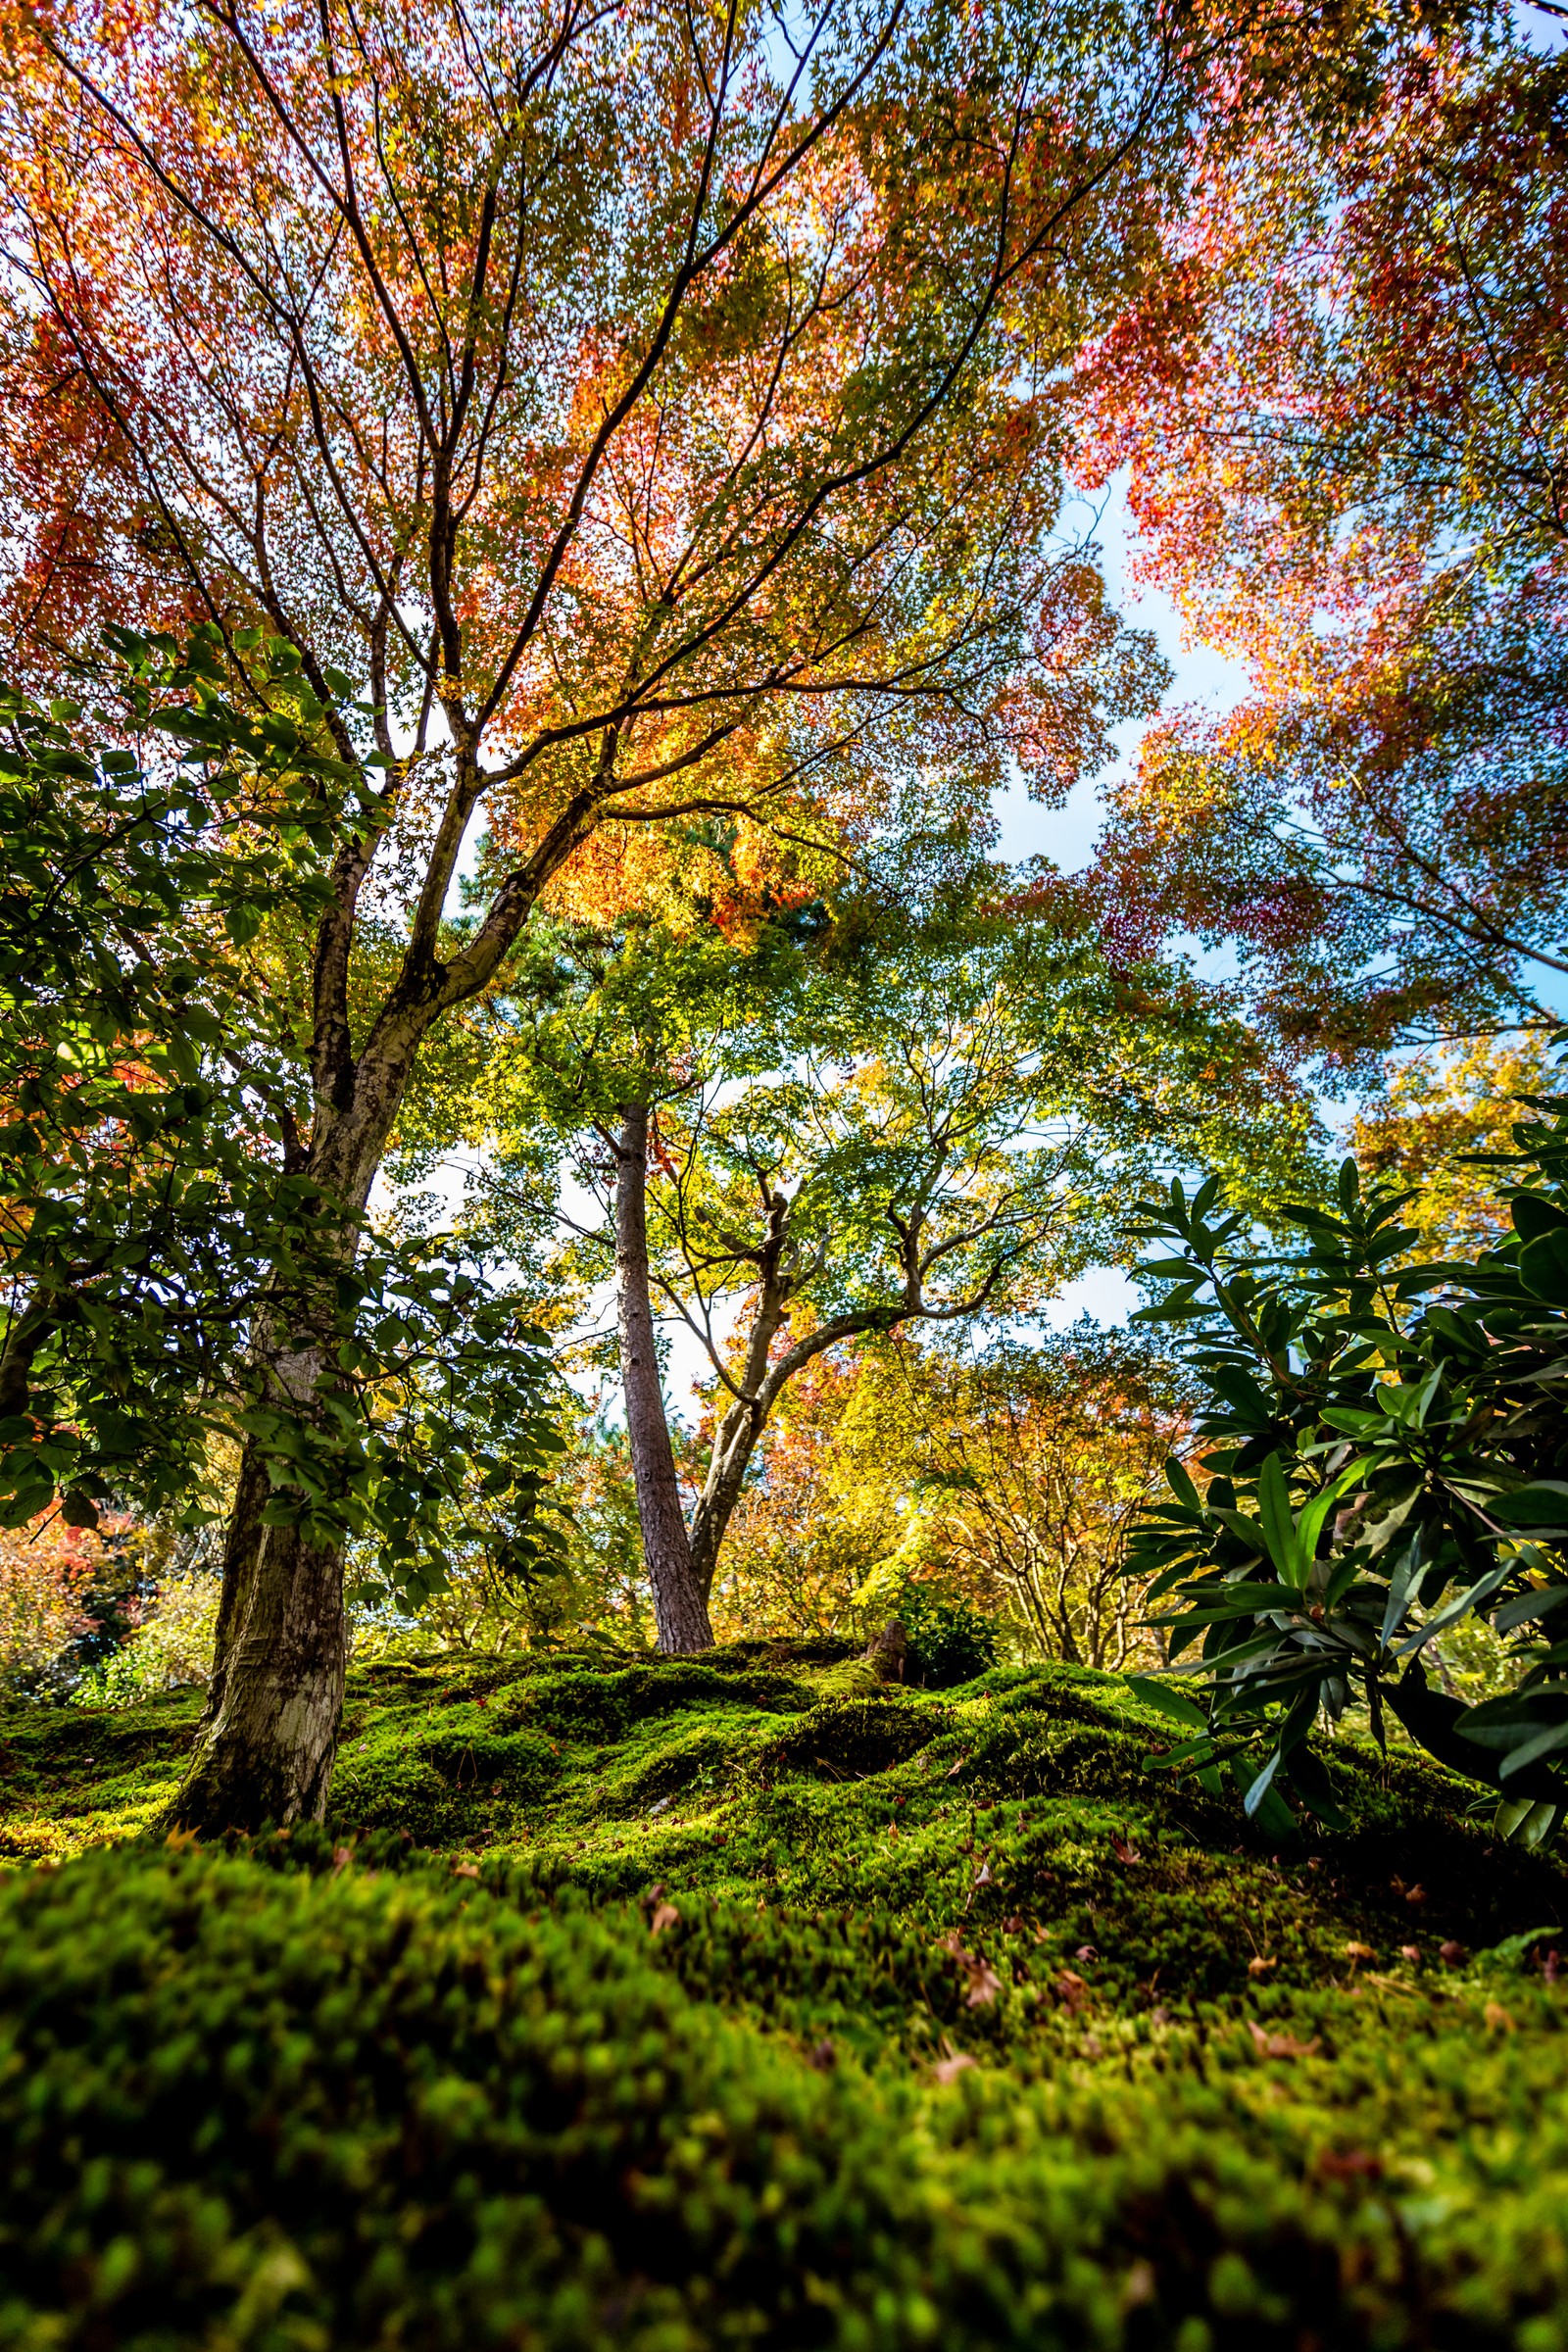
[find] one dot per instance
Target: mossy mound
(743, 2001)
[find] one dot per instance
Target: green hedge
(293, 2109)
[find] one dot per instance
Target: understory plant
(1387, 1457)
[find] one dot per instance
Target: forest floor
(885, 2016)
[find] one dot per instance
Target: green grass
(1071, 2053)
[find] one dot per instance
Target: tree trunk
(267, 1747)
(268, 1734)
(680, 1609)
(734, 1443)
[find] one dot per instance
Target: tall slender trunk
(680, 1608)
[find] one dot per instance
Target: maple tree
(1339, 402)
(46, 1574)
(632, 410)
(632, 414)
(1030, 1465)
(858, 1117)
(1000, 1474)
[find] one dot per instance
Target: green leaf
(1543, 1266)
(1279, 1526)
(1543, 1505)
(1180, 1481)
(1167, 1702)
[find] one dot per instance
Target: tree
(866, 1119)
(1031, 1464)
(637, 411)
(1435, 1133)
(1389, 1463)
(158, 1223)
(1340, 403)
(1003, 1475)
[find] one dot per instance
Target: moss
(1211, 2091)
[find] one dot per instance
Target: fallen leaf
(983, 1876)
(1497, 2016)
(955, 1769)
(1123, 1851)
(1071, 1988)
(1358, 1952)
(1257, 1966)
(951, 2063)
(984, 1985)
(1139, 2286)
(1086, 1951)
(1280, 2045)
(824, 2057)
(464, 1870)
(342, 1856)
(1415, 1896)
(1454, 1953)
(664, 1917)
(1013, 1923)
(1411, 1952)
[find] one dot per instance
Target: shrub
(169, 1649)
(948, 1641)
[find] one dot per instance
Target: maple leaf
(1353, 2163)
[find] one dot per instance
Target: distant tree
(1434, 1132)
(811, 1130)
(1032, 1466)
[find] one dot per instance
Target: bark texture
(267, 1748)
(268, 1734)
(680, 1605)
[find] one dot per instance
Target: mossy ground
(1258, 2047)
